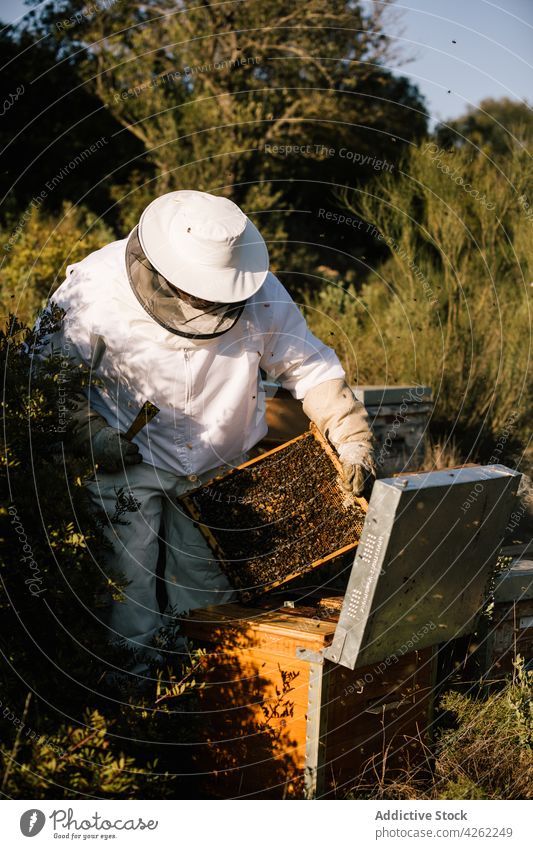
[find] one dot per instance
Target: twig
(16, 744)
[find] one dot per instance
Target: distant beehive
(278, 516)
(398, 415)
(509, 631)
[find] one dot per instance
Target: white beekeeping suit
(184, 313)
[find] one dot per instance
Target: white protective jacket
(209, 392)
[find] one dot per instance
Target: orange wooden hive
(281, 722)
(279, 515)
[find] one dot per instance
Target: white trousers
(192, 575)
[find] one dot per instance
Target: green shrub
(488, 754)
(37, 247)
(63, 731)
(484, 752)
(450, 305)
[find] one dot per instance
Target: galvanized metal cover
(516, 584)
(372, 395)
(427, 552)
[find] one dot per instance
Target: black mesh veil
(163, 302)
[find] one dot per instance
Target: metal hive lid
(515, 584)
(427, 552)
(377, 395)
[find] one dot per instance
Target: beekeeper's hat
(204, 245)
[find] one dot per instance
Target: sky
(492, 56)
(465, 50)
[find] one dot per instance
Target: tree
(50, 120)
(37, 247)
(493, 127)
(213, 91)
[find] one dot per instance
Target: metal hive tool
(279, 515)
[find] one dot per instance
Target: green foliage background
(450, 304)
(426, 284)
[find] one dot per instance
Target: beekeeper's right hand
(111, 451)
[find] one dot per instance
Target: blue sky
(492, 56)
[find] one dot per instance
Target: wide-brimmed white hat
(204, 245)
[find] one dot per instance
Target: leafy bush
(64, 730)
(37, 248)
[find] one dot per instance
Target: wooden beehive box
(280, 722)
(279, 515)
(509, 630)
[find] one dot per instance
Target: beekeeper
(184, 313)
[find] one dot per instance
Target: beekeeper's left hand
(343, 420)
(358, 472)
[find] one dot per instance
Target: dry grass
(486, 754)
(441, 454)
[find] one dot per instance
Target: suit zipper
(188, 393)
(188, 382)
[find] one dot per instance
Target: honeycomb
(279, 516)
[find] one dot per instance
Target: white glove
(342, 419)
(112, 451)
(358, 471)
